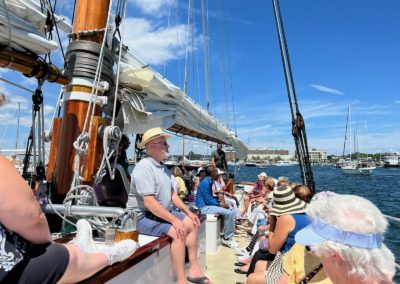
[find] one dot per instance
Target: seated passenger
(201, 174)
(182, 191)
(152, 197)
(300, 264)
(346, 233)
(28, 254)
(287, 217)
(209, 205)
(258, 193)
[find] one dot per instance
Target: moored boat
(358, 169)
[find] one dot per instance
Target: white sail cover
(149, 100)
(22, 26)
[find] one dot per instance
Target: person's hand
(224, 205)
(194, 218)
(180, 229)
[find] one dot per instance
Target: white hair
(355, 214)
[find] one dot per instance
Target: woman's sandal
(238, 270)
(199, 280)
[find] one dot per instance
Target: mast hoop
(86, 97)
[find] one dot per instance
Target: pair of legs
(149, 224)
(178, 252)
(82, 265)
(52, 262)
(229, 218)
(248, 201)
(258, 277)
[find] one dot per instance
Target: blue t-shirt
(204, 194)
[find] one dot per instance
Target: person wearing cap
(152, 196)
(347, 234)
(218, 158)
(201, 174)
(209, 205)
(287, 217)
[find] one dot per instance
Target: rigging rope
(298, 124)
(81, 144)
(187, 48)
(54, 24)
(205, 56)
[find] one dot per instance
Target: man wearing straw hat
(152, 196)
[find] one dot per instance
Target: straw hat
(152, 134)
(285, 202)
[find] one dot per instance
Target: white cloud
(155, 45)
(327, 90)
(153, 7)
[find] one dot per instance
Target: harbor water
(382, 188)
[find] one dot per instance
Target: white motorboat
(358, 169)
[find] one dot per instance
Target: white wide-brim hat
(152, 134)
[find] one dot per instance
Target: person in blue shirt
(206, 202)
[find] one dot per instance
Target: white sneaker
(119, 251)
(84, 236)
(241, 251)
(242, 258)
(229, 243)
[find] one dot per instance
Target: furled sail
(149, 100)
(23, 26)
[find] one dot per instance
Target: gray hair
(355, 214)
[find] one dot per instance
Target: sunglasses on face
(162, 143)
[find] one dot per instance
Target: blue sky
(342, 53)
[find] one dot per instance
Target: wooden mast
(90, 15)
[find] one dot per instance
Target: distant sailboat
(354, 167)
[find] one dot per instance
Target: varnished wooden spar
(89, 15)
(31, 66)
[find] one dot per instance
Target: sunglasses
(162, 143)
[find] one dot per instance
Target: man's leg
(192, 245)
(178, 255)
(229, 218)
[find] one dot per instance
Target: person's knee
(251, 279)
(74, 252)
(189, 224)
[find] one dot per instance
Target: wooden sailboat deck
(220, 266)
